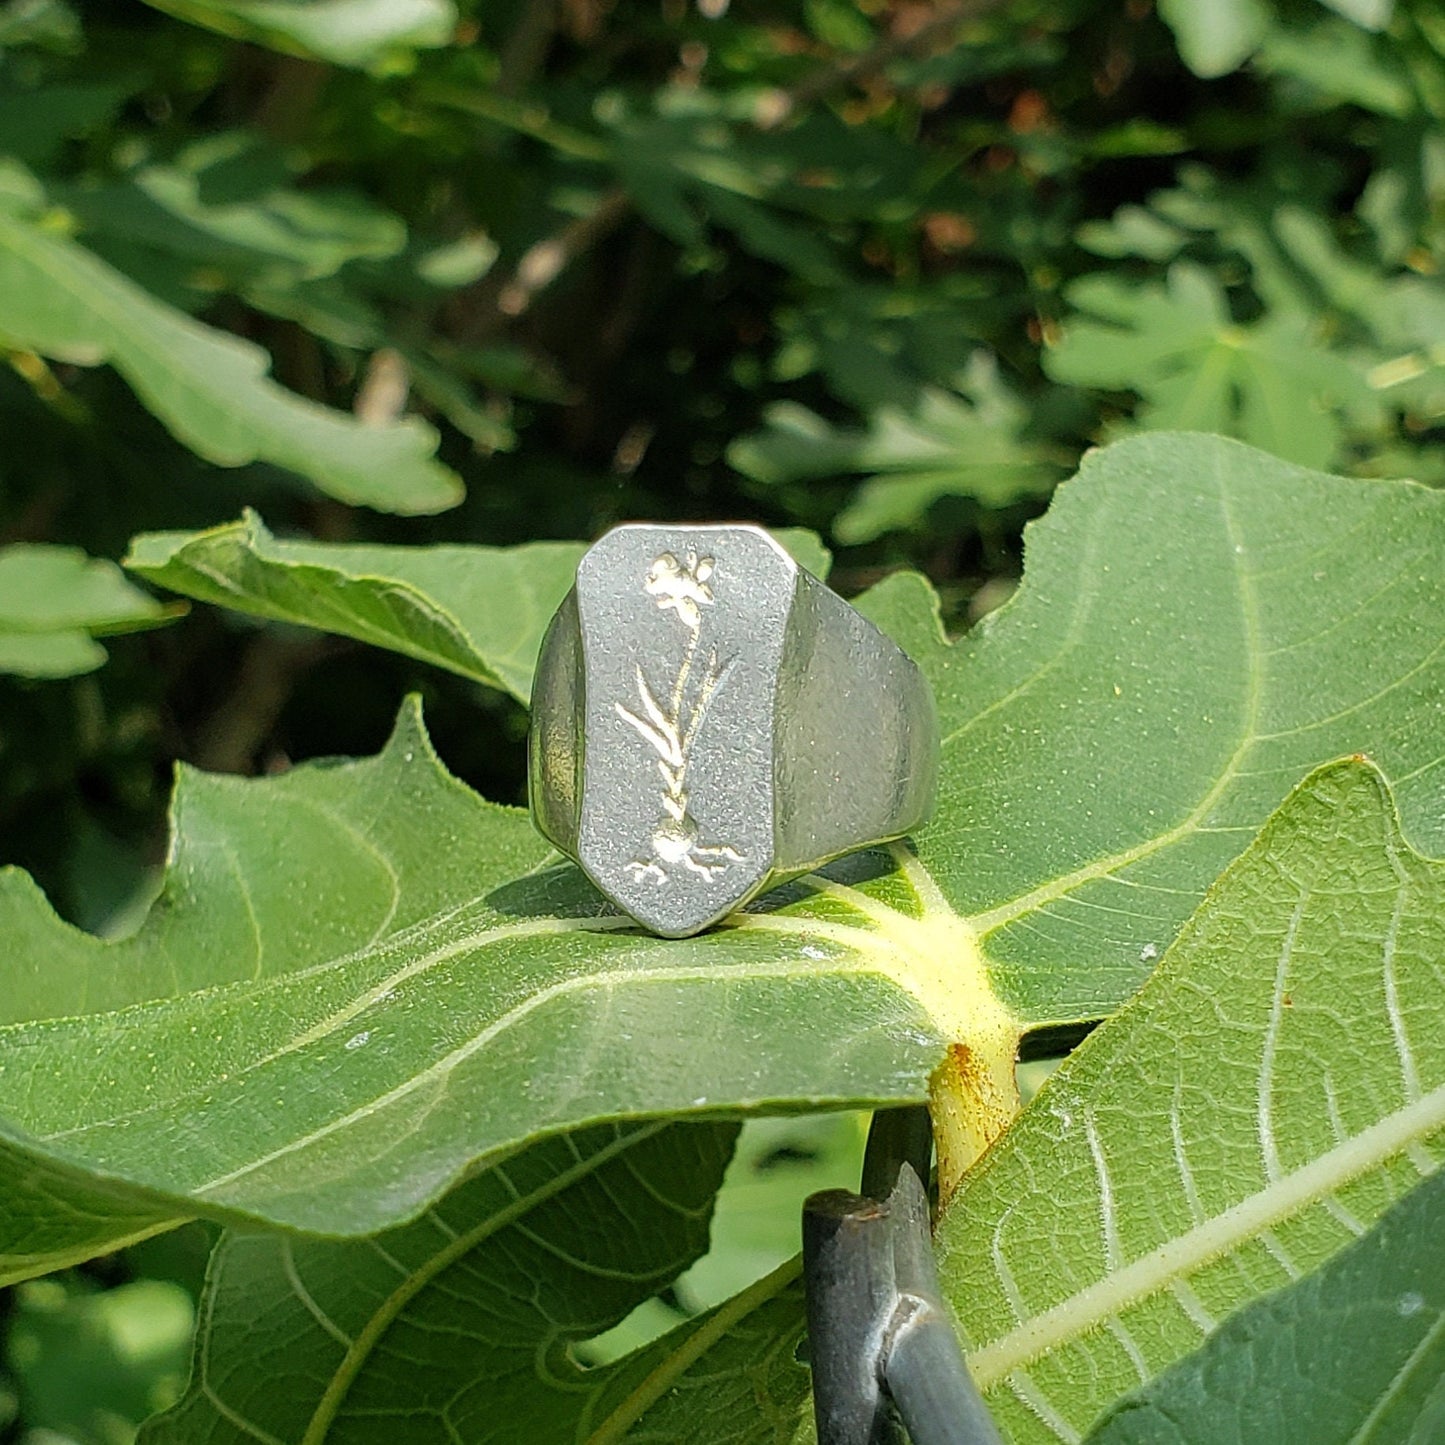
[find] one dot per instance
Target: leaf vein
(1177, 1258)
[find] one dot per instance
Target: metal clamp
(883, 1349)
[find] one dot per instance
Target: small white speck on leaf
(1409, 1304)
(1148, 953)
(356, 1041)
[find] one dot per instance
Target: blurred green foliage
(91, 1364)
(517, 271)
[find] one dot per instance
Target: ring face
(708, 718)
(683, 638)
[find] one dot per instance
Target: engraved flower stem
(683, 590)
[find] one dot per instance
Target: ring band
(709, 719)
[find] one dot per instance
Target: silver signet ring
(709, 719)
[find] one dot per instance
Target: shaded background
(881, 269)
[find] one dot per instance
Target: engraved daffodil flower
(681, 587)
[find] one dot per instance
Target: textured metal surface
(708, 718)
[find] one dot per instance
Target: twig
(896, 1137)
(381, 397)
(544, 261)
(271, 665)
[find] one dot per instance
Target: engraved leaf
(661, 732)
(666, 747)
(660, 719)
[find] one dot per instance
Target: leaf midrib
(873, 952)
(444, 1066)
(876, 952)
(992, 919)
(671, 1368)
(381, 1320)
(95, 293)
(1177, 1258)
(351, 622)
